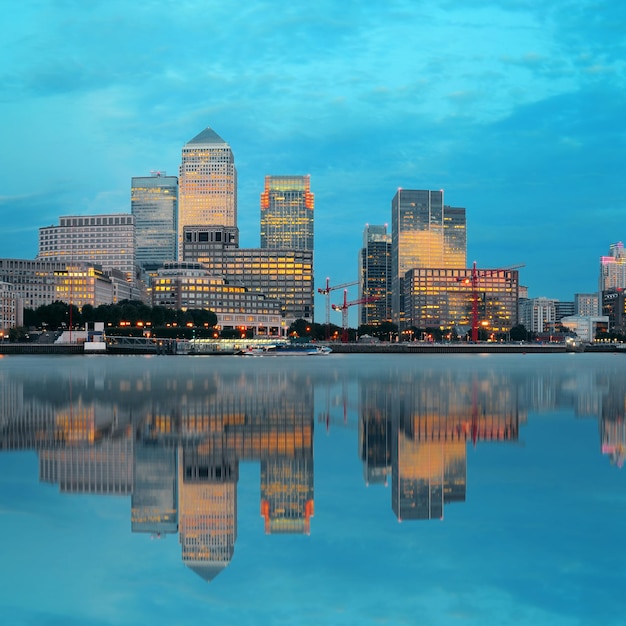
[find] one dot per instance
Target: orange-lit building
(444, 298)
(287, 206)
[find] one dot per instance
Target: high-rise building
(154, 205)
(613, 268)
(207, 183)
(375, 276)
(424, 234)
(106, 240)
(287, 206)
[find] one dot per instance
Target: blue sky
(514, 108)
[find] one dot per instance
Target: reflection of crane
(473, 280)
(325, 291)
(344, 311)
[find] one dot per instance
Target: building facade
(287, 207)
(537, 315)
(186, 285)
(424, 234)
(564, 308)
(154, 205)
(285, 275)
(614, 308)
(613, 268)
(444, 299)
(207, 192)
(375, 276)
(11, 309)
(586, 304)
(586, 327)
(105, 240)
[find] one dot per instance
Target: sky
(514, 108)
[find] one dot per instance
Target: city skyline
(513, 110)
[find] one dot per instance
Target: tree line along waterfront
(134, 318)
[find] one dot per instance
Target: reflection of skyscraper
(155, 499)
(207, 183)
(207, 508)
(154, 205)
(426, 475)
(287, 213)
(375, 275)
(287, 494)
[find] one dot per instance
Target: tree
(518, 333)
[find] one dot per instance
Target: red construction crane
(325, 291)
(344, 311)
(473, 280)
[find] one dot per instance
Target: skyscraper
(375, 275)
(613, 268)
(424, 234)
(287, 213)
(207, 183)
(154, 205)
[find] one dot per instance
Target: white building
(537, 314)
(613, 268)
(586, 326)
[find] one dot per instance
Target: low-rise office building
(188, 285)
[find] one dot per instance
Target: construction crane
(344, 311)
(325, 291)
(473, 280)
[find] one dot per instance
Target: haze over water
(348, 489)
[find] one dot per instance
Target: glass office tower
(424, 234)
(154, 205)
(375, 275)
(207, 193)
(287, 213)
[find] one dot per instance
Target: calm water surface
(348, 489)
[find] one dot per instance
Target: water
(348, 489)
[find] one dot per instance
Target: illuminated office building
(287, 206)
(424, 234)
(613, 268)
(154, 205)
(444, 299)
(105, 240)
(285, 275)
(188, 285)
(375, 275)
(40, 282)
(207, 192)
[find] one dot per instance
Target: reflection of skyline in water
(173, 440)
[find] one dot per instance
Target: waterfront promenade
(225, 347)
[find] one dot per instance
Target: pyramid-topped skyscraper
(207, 183)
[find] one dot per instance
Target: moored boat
(287, 349)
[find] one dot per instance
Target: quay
(130, 345)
